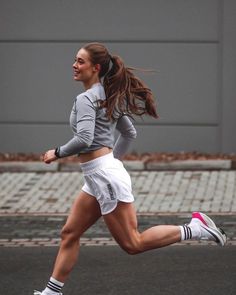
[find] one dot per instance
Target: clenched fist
(49, 156)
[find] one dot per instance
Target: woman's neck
(90, 83)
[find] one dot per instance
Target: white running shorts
(107, 180)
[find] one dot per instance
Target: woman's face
(84, 70)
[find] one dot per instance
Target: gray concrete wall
(191, 44)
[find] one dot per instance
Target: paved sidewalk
(34, 205)
(155, 191)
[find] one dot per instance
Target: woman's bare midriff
(94, 154)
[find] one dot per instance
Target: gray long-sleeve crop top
(92, 129)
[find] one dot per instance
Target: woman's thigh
(122, 223)
(84, 212)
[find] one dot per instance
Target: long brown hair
(125, 93)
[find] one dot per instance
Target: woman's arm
(83, 138)
(127, 135)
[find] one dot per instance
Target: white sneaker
(39, 293)
(209, 231)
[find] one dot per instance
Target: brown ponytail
(125, 93)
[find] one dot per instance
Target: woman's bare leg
(122, 223)
(84, 213)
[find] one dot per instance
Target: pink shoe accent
(199, 216)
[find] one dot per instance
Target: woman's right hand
(49, 156)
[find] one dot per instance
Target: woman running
(112, 94)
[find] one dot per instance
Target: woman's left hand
(49, 157)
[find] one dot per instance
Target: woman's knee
(131, 247)
(69, 235)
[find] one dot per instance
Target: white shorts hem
(126, 199)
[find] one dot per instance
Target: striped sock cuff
(186, 232)
(55, 285)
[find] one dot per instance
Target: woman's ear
(97, 67)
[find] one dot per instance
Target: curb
(28, 167)
(129, 165)
(180, 165)
(69, 167)
(96, 242)
(191, 165)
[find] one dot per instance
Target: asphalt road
(195, 270)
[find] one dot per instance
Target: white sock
(195, 228)
(53, 287)
(190, 231)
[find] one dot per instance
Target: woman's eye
(79, 61)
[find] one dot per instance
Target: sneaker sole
(218, 234)
(210, 226)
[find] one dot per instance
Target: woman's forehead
(82, 53)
